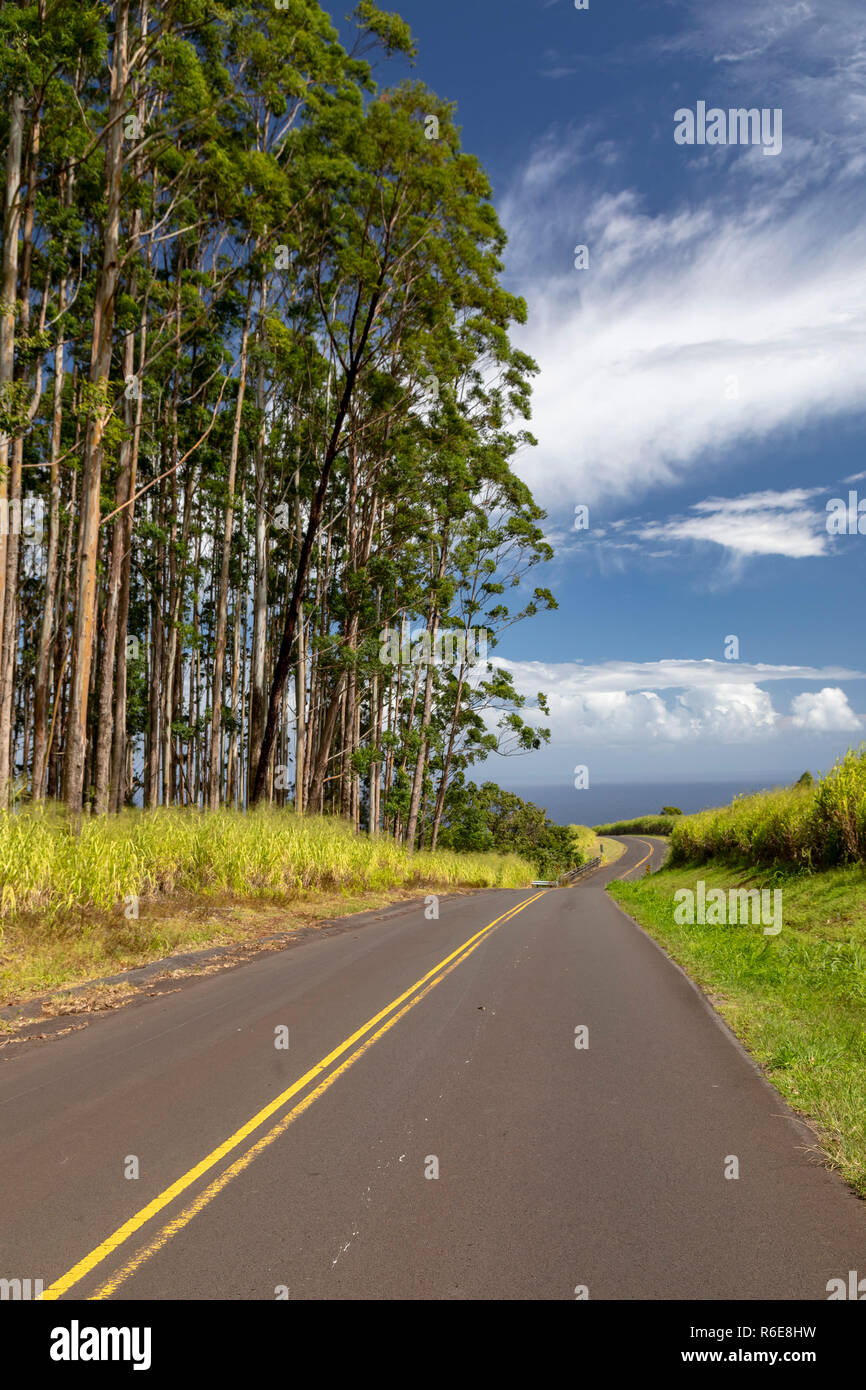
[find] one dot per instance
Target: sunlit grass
(585, 842)
(639, 825)
(804, 826)
(133, 888)
(591, 846)
(797, 1000)
(46, 866)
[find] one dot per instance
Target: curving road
(417, 1046)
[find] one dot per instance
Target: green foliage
(671, 811)
(299, 252)
(810, 825)
(488, 818)
(46, 867)
(640, 825)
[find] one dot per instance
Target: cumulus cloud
(727, 713)
(619, 704)
(824, 711)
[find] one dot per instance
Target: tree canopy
(261, 530)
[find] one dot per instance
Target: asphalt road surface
(419, 1045)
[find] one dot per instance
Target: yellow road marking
(202, 1200)
(135, 1223)
(642, 861)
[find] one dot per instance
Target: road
(416, 1045)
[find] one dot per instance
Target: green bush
(489, 818)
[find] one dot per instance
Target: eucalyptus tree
(255, 363)
(407, 236)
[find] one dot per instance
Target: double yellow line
(651, 849)
(365, 1036)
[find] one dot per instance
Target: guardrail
(574, 874)
(571, 877)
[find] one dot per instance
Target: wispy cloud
(689, 335)
(761, 523)
(731, 317)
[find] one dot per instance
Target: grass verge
(589, 846)
(610, 850)
(797, 1000)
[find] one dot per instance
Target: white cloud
(739, 314)
(617, 703)
(824, 711)
(760, 523)
(689, 334)
(670, 673)
(733, 713)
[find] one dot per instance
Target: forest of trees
(486, 817)
(259, 409)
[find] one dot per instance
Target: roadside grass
(46, 866)
(591, 846)
(815, 826)
(68, 902)
(797, 1000)
(639, 825)
(40, 954)
(610, 850)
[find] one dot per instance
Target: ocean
(610, 801)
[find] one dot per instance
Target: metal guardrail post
(574, 874)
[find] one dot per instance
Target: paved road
(304, 1168)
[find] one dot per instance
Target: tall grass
(585, 842)
(817, 826)
(46, 867)
(640, 825)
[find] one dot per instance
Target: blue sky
(703, 381)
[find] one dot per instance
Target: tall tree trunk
(449, 753)
(8, 529)
(157, 647)
(61, 653)
(375, 767)
(300, 716)
(418, 780)
(100, 371)
(317, 785)
(258, 688)
(113, 623)
(9, 643)
(46, 628)
(213, 787)
(287, 642)
(123, 495)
